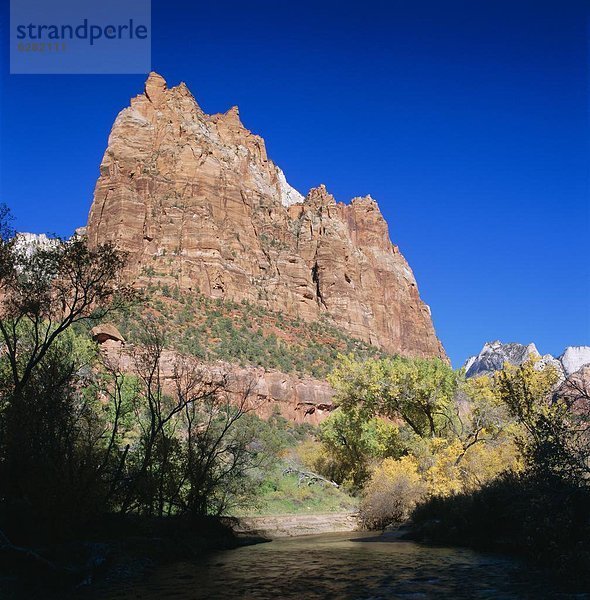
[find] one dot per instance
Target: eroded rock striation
(195, 201)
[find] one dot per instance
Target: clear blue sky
(467, 121)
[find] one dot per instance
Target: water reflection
(344, 566)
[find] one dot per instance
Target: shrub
(392, 493)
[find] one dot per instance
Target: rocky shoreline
(280, 526)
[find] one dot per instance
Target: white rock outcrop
(288, 194)
(574, 358)
(494, 355)
(29, 243)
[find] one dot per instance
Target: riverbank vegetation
(541, 510)
(498, 462)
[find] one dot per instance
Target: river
(343, 565)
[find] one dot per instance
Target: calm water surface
(348, 566)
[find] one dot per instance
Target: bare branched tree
(191, 452)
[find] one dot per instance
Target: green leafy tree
(352, 442)
(49, 429)
(418, 391)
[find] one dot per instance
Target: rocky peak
(232, 118)
(368, 201)
(319, 196)
(195, 201)
(28, 244)
(155, 87)
(494, 355)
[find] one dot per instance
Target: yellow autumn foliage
(484, 462)
(443, 475)
(394, 489)
(438, 468)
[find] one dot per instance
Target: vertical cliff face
(195, 201)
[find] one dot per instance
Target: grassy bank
(286, 494)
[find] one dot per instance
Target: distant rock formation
(196, 202)
(575, 390)
(29, 243)
(494, 355)
(574, 358)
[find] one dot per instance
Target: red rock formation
(575, 391)
(195, 201)
(106, 331)
(298, 399)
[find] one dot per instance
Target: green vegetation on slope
(244, 333)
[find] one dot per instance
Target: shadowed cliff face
(196, 202)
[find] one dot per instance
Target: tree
(392, 493)
(417, 391)
(541, 505)
(456, 431)
(48, 429)
(555, 423)
(46, 290)
(191, 453)
(353, 442)
(481, 418)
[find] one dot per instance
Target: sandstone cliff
(298, 399)
(195, 201)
